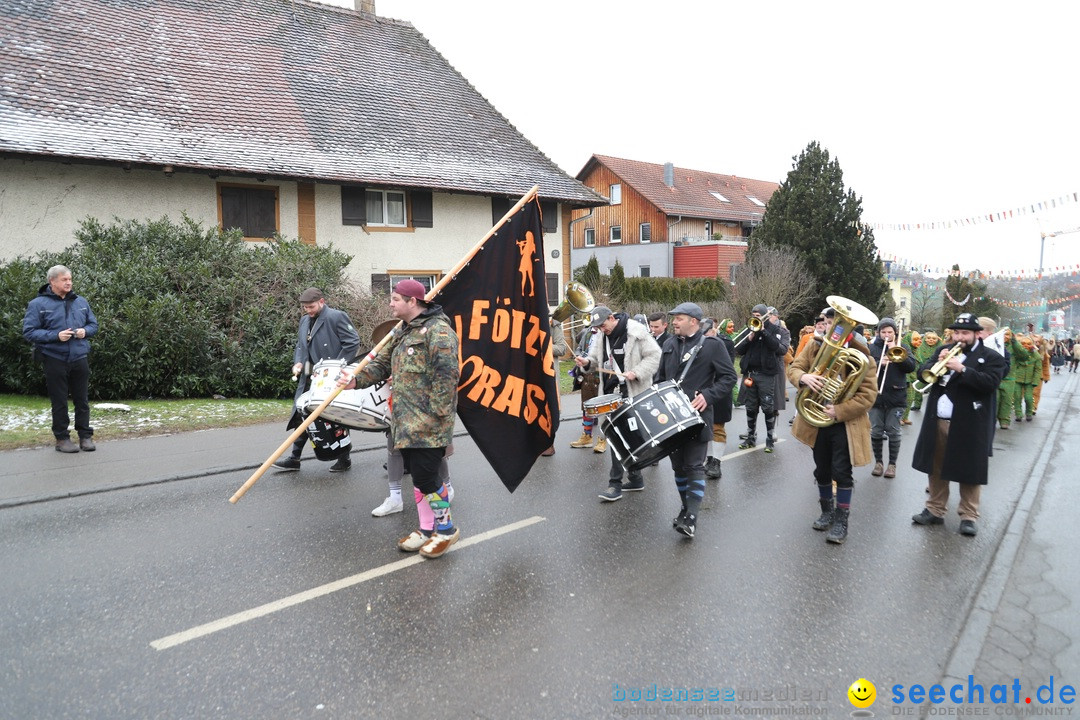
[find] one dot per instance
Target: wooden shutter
(549, 209)
(353, 205)
(421, 209)
(499, 207)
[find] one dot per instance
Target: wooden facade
(628, 215)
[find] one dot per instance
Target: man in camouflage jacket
(423, 362)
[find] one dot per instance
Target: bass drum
(651, 426)
(361, 409)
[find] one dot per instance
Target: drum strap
(690, 361)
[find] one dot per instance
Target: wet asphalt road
(559, 617)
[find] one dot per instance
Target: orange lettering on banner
(510, 395)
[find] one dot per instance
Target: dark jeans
(63, 378)
(424, 465)
(615, 476)
(832, 460)
(689, 460)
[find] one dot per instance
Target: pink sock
(423, 509)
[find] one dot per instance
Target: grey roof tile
(283, 88)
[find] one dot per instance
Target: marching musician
(760, 366)
(324, 334)
(888, 409)
(629, 355)
(954, 440)
(840, 445)
(706, 375)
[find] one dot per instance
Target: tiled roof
(692, 193)
(281, 88)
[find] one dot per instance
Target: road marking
(241, 617)
(758, 448)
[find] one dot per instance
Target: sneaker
(439, 543)
(769, 445)
(890, 472)
(686, 526)
(967, 527)
(634, 486)
(613, 493)
(287, 463)
(415, 540)
(927, 518)
(582, 442)
(389, 506)
(65, 445)
(679, 518)
(343, 464)
(712, 468)
(1004, 425)
(549, 452)
(905, 421)
(878, 469)
(748, 443)
(601, 445)
(87, 445)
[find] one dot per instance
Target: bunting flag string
(993, 217)
(912, 265)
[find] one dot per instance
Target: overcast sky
(935, 110)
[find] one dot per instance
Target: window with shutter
(252, 209)
(353, 205)
(550, 209)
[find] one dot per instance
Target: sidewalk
(38, 474)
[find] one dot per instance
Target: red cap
(410, 288)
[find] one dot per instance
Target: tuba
(578, 302)
(843, 368)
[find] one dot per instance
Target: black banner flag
(508, 397)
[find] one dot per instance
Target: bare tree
(775, 276)
(926, 309)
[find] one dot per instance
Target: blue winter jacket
(48, 314)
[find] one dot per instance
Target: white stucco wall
(42, 204)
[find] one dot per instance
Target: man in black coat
(954, 440)
(760, 367)
(709, 376)
(324, 334)
(888, 409)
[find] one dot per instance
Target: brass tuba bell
(843, 368)
(577, 303)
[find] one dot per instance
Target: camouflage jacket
(423, 364)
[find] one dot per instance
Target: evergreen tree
(813, 214)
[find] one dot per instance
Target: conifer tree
(813, 214)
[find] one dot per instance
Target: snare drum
(603, 404)
(362, 409)
(652, 425)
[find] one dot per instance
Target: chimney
(669, 175)
(364, 6)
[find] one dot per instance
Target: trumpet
(936, 371)
(753, 325)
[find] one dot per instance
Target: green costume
(922, 354)
(1027, 372)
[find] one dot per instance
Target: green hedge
(183, 311)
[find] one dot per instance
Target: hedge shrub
(183, 311)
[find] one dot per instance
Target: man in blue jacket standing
(59, 323)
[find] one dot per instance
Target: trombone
(752, 325)
(895, 354)
(577, 305)
(936, 371)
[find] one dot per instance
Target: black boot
(838, 531)
(827, 511)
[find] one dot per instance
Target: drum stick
(295, 435)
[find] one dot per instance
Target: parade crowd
(654, 388)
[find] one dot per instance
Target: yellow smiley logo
(862, 693)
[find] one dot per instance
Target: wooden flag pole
(446, 279)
